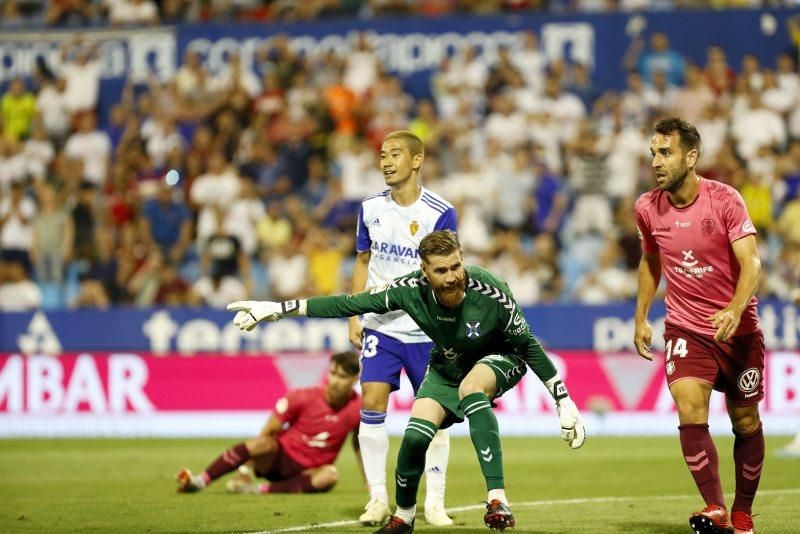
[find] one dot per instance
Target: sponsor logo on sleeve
(282, 405)
(747, 226)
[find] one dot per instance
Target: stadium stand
(542, 162)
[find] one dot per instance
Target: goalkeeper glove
(572, 429)
(251, 312)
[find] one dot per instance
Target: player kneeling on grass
(482, 344)
(298, 458)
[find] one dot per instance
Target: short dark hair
(410, 139)
(348, 361)
(439, 243)
(690, 137)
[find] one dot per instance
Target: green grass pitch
(611, 485)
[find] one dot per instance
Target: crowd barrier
(193, 331)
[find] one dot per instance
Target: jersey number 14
(679, 349)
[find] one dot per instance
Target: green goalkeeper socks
(485, 437)
(411, 460)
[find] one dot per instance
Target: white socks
(406, 514)
(499, 494)
(436, 467)
(374, 444)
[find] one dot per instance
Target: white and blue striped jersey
(393, 233)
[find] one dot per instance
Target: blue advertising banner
(190, 331)
(412, 47)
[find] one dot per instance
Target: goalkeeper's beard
(450, 297)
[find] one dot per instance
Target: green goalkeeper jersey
(488, 321)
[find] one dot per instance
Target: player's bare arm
(649, 278)
(360, 272)
(726, 320)
(272, 428)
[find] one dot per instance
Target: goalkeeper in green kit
(482, 348)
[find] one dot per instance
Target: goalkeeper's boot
(189, 483)
(436, 515)
(376, 513)
(237, 485)
(742, 522)
(396, 526)
(498, 516)
(712, 519)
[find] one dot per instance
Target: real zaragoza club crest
(414, 226)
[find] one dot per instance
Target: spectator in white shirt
(757, 126)
(506, 125)
(38, 151)
(531, 61)
(566, 109)
(82, 74)
(237, 75)
(361, 66)
(125, 12)
(192, 78)
(92, 147)
(54, 109)
(16, 225)
(13, 167)
(217, 187)
(17, 292)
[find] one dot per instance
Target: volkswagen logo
(749, 380)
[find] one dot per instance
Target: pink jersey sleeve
(289, 407)
(737, 220)
(649, 244)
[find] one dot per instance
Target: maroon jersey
(694, 243)
(316, 431)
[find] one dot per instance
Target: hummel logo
(450, 354)
(487, 455)
(401, 481)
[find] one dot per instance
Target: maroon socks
(703, 462)
(748, 455)
(227, 462)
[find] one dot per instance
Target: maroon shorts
(283, 467)
(735, 367)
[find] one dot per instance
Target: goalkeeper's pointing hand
(251, 312)
(572, 429)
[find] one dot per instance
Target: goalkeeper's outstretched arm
(379, 300)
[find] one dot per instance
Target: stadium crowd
(19, 13)
(204, 189)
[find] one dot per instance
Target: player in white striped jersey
(390, 228)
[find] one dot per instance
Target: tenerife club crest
(473, 329)
(709, 227)
(414, 227)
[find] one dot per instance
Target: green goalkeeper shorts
(508, 371)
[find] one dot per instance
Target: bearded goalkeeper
(482, 348)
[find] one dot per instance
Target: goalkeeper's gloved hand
(572, 429)
(251, 312)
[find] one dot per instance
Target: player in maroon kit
(698, 233)
(297, 459)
